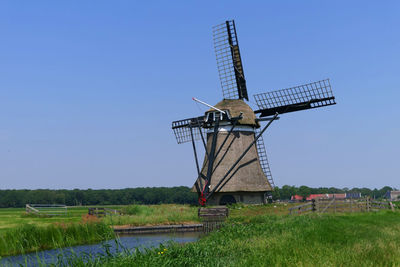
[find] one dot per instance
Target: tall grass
(137, 210)
(28, 238)
(366, 239)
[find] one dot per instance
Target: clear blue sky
(88, 89)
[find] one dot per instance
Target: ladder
(262, 154)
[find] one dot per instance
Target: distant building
(318, 196)
(297, 198)
(392, 195)
(353, 195)
(327, 196)
(340, 196)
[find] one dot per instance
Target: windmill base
(237, 197)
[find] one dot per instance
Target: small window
(226, 116)
(211, 116)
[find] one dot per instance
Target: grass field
(134, 215)
(358, 239)
(10, 218)
(20, 233)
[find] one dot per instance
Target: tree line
(77, 197)
(149, 195)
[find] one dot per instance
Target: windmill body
(235, 167)
(247, 183)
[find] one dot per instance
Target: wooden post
(351, 205)
(368, 204)
(334, 202)
(391, 206)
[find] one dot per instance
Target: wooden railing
(101, 212)
(46, 209)
(341, 205)
(301, 209)
(212, 218)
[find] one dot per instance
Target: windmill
(235, 167)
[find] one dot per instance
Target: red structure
(296, 198)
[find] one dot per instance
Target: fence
(341, 205)
(212, 218)
(102, 212)
(46, 209)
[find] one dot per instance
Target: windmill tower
(235, 167)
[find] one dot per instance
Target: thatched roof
(235, 106)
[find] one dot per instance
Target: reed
(28, 238)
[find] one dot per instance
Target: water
(130, 242)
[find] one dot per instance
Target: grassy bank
(28, 237)
(139, 215)
(364, 239)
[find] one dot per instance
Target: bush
(137, 210)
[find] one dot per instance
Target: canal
(130, 242)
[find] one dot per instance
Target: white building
(393, 195)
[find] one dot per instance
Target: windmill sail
(307, 96)
(262, 154)
(235, 166)
(229, 62)
(182, 129)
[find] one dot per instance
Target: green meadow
(252, 236)
(358, 239)
(133, 215)
(15, 217)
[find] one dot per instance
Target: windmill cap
(235, 107)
